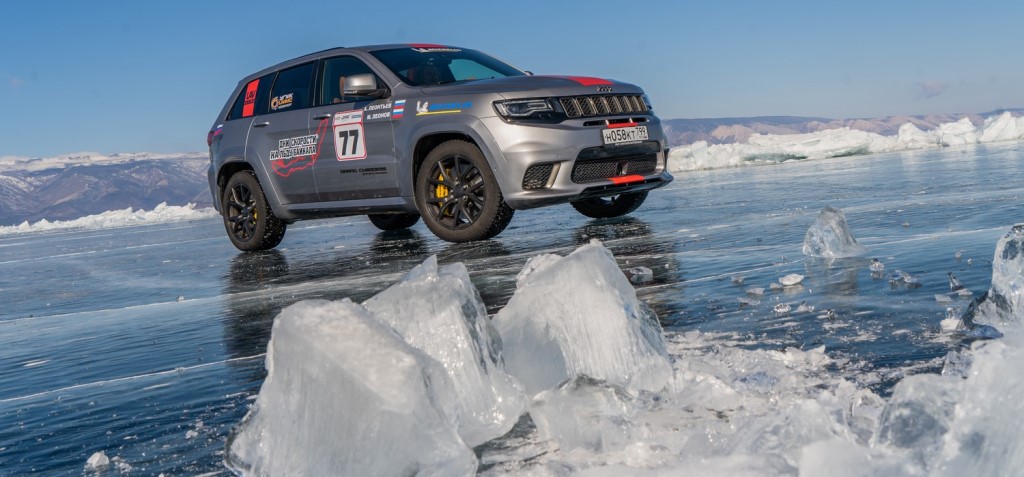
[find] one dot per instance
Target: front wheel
(250, 223)
(607, 207)
(388, 222)
(458, 195)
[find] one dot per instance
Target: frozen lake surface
(148, 343)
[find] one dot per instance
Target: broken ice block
(830, 237)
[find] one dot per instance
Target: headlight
(521, 108)
(647, 101)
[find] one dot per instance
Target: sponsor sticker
(249, 103)
(349, 140)
(378, 111)
(424, 108)
(432, 48)
(398, 111)
(281, 102)
(288, 148)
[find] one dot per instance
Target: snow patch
(162, 213)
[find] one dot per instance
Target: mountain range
(72, 186)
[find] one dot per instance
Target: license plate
(624, 135)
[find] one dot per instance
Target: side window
(333, 83)
(292, 88)
(252, 99)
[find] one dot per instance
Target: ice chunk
(791, 279)
(804, 308)
(876, 265)
(941, 299)
(755, 290)
(918, 414)
(533, 264)
(782, 308)
(959, 133)
(345, 395)
(586, 413)
(440, 313)
(97, 461)
(899, 277)
(640, 275)
(738, 279)
(954, 283)
(580, 317)
(1004, 301)
(1002, 128)
(830, 237)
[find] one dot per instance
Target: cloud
(15, 82)
(931, 89)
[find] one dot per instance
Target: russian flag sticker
(398, 110)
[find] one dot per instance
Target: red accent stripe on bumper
(626, 179)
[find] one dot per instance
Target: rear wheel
(250, 223)
(393, 221)
(458, 195)
(614, 206)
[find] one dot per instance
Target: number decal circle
(349, 140)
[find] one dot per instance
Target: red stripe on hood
(586, 80)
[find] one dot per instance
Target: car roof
(340, 49)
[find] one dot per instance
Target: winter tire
(250, 223)
(458, 196)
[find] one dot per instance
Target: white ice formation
(595, 327)
(1004, 301)
(440, 313)
(761, 149)
(162, 213)
(791, 279)
(830, 237)
(346, 395)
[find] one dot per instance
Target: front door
(281, 137)
(359, 150)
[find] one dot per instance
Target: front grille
(600, 169)
(602, 105)
(537, 176)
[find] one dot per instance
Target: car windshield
(430, 65)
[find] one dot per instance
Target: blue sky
(151, 76)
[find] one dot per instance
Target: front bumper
(545, 164)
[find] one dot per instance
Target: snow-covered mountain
(76, 185)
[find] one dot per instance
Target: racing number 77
(343, 136)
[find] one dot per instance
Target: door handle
(322, 116)
(261, 125)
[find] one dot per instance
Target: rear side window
(252, 99)
(292, 88)
(333, 83)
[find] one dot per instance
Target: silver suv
(399, 132)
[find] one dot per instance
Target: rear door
(358, 160)
(281, 138)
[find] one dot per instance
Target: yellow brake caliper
(441, 191)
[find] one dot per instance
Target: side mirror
(361, 85)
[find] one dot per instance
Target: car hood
(531, 86)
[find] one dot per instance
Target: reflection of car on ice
(329, 134)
